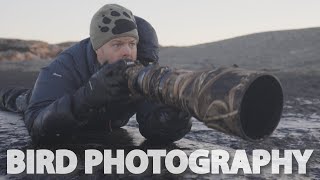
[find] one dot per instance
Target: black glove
(108, 85)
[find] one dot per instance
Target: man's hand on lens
(108, 85)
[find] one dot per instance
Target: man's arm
(49, 109)
(58, 100)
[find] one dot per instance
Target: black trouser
(14, 99)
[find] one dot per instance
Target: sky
(177, 22)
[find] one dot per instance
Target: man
(84, 87)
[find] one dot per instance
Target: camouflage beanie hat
(109, 22)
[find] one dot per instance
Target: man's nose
(126, 51)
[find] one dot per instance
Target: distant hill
(292, 50)
(20, 50)
(288, 50)
(292, 55)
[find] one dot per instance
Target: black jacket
(50, 116)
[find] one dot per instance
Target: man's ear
(100, 57)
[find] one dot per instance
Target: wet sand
(299, 128)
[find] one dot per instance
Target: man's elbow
(50, 128)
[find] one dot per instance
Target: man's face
(116, 49)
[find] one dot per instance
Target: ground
(299, 128)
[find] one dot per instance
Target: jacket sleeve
(49, 116)
(160, 123)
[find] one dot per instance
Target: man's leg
(14, 99)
